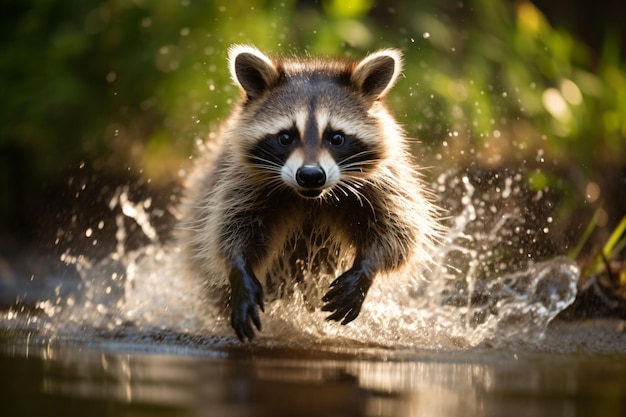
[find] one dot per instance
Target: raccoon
(310, 156)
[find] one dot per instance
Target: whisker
(360, 181)
(358, 167)
(350, 165)
(265, 162)
(357, 155)
(264, 169)
(352, 187)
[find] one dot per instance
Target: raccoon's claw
(242, 316)
(346, 296)
(246, 299)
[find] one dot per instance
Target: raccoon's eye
(337, 139)
(285, 138)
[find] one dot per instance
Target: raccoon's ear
(377, 73)
(251, 70)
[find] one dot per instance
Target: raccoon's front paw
(245, 304)
(346, 295)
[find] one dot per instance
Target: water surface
(130, 334)
(578, 370)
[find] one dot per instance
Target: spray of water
(482, 287)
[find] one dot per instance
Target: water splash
(485, 287)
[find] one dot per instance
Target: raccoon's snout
(310, 176)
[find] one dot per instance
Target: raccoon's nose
(310, 176)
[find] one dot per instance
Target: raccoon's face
(311, 124)
(314, 158)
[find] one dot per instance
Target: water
(131, 334)
(482, 286)
(42, 376)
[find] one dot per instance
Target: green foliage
(615, 244)
(137, 83)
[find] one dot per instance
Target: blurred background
(102, 94)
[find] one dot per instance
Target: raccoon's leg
(246, 295)
(348, 292)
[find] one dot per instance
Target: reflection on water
(41, 376)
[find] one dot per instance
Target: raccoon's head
(317, 126)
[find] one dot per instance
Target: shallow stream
(130, 334)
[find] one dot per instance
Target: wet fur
(245, 226)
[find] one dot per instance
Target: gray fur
(246, 220)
